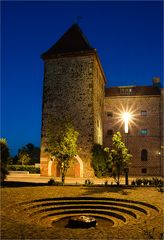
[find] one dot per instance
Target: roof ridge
(73, 40)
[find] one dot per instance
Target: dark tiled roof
(135, 91)
(72, 41)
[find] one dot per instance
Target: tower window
(109, 114)
(110, 132)
(144, 155)
(144, 170)
(144, 113)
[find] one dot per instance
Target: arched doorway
(80, 165)
(76, 168)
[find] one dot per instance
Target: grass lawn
(17, 223)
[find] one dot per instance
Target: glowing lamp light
(126, 117)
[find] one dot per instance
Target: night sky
(127, 35)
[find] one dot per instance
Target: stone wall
(73, 87)
(98, 103)
(136, 142)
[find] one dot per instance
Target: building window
(125, 91)
(144, 170)
(143, 113)
(144, 155)
(109, 114)
(110, 132)
(143, 132)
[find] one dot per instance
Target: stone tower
(73, 87)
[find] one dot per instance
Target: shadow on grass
(22, 184)
(113, 189)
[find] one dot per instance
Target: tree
(62, 144)
(4, 158)
(28, 154)
(99, 160)
(23, 158)
(118, 157)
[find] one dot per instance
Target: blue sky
(128, 36)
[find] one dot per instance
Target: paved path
(36, 178)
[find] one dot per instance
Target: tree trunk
(118, 177)
(63, 178)
(126, 177)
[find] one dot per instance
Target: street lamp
(126, 116)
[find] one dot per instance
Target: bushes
(154, 182)
(29, 168)
(53, 182)
(99, 161)
(4, 172)
(4, 152)
(88, 182)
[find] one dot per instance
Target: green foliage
(99, 160)
(88, 182)
(4, 151)
(62, 144)
(106, 183)
(51, 182)
(29, 168)
(28, 155)
(155, 182)
(4, 158)
(118, 157)
(23, 158)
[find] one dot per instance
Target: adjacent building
(74, 87)
(145, 136)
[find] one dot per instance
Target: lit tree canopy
(118, 157)
(62, 144)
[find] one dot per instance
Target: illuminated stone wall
(135, 141)
(74, 88)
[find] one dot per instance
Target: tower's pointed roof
(73, 40)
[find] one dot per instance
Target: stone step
(120, 211)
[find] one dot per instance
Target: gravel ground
(18, 224)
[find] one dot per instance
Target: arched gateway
(75, 169)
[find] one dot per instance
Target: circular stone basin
(82, 222)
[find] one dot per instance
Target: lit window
(143, 132)
(109, 114)
(143, 170)
(125, 91)
(110, 132)
(143, 113)
(144, 155)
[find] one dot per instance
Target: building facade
(74, 88)
(144, 138)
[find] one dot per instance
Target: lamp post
(126, 117)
